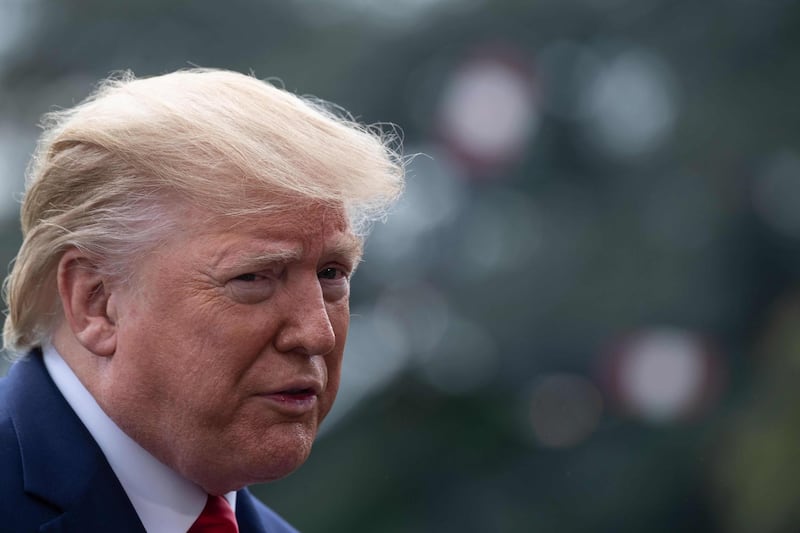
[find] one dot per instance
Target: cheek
(174, 345)
(210, 329)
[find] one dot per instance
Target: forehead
(294, 230)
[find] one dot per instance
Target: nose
(306, 327)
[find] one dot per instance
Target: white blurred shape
(630, 105)
(565, 409)
(776, 193)
(464, 360)
(488, 110)
(662, 374)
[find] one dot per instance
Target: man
(180, 302)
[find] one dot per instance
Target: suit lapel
(61, 462)
(247, 515)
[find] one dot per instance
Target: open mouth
(297, 392)
(295, 396)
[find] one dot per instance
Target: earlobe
(88, 303)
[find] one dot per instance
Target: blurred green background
(584, 315)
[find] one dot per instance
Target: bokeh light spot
(630, 105)
(662, 374)
(488, 110)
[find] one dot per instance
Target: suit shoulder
(11, 473)
(18, 511)
(11, 481)
(10, 455)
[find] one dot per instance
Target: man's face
(230, 342)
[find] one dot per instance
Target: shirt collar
(164, 500)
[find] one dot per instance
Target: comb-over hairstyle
(109, 175)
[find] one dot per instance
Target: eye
(332, 273)
(251, 288)
(247, 277)
(335, 282)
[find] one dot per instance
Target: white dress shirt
(165, 501)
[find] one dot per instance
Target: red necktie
(217, 517)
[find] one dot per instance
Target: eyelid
(275, 272)
(255, 275)
(252, 287)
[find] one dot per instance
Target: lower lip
(293, 404)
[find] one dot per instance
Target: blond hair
(107, 174)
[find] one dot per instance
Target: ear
(88, 303)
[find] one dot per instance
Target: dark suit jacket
(53, 476)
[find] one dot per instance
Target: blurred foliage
(606, 243)
(756, 472)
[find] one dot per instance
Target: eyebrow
(348, 247)
(277, 256)
(270, 257)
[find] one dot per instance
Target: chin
(273, 456)
(273, 469)
(249, 473)
(281, 455)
